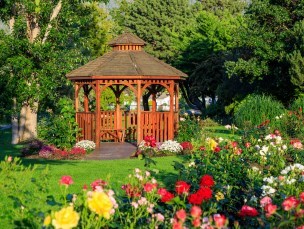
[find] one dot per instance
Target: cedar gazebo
(126, 66)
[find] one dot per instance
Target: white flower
(269, 180)
(86, 144)
(265, 149)
(228, 127)
(284, 147)
(192, 164)
(268, 190)
(171, 146)
(220, 139)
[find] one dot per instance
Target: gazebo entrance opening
(126, 69)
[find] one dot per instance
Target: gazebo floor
(112, 151)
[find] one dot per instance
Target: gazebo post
(171, 114)
(97, 114)
(76, 98)
(139, 127)
(176, 116)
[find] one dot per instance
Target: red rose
(290, 203)
(182, 187)
(217, 149)
(196, 211)
(248, 211)
(181, 215)
(207, 181)
(270, 209)
(150, 141)
(220, 220)
(149, 187)
(234, 144)
(98, 183)
(66, 180)
(165, 195)
(186, 145)
(203, 194)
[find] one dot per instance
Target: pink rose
(265, 200)
(66, 180)
(220, 220)
(290, 203)
(196, 211)
(196, 222)
(181, 215)
(270, 209)
(247, 144)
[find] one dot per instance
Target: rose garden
(209, 95)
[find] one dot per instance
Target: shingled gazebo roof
(127, 63)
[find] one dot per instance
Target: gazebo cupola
(126, 66)
(127, 42)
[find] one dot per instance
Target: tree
(270, 48)
(46, 39)
(211, 41)
(159, 22)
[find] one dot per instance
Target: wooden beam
(97, 115)
(139, 126)
(171, 113)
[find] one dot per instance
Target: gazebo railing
(86, 122)
(152, 123)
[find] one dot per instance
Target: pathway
(111, 151)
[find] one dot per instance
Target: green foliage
(23, 194)
(189, 127)
(60, 129)
(160, 23)
(269, 49)
(291, 122)
(256, 109)
(34, 70)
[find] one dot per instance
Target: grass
(84, 172)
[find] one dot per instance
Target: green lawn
(84, 172)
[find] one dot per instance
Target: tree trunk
(28, 122)
(15, 127)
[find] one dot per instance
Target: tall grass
(255, 109)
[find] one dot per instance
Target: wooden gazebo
(126, 66)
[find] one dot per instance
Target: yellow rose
(66, 218)
(212, 144)
(219, 196)
(101, 204)
(47, 221)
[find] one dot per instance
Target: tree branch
(55, 13)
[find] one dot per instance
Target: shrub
(255, 109)
(291, 122)
(32, 148)
(60, 129)
(189, 127)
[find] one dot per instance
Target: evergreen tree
(161, 23)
